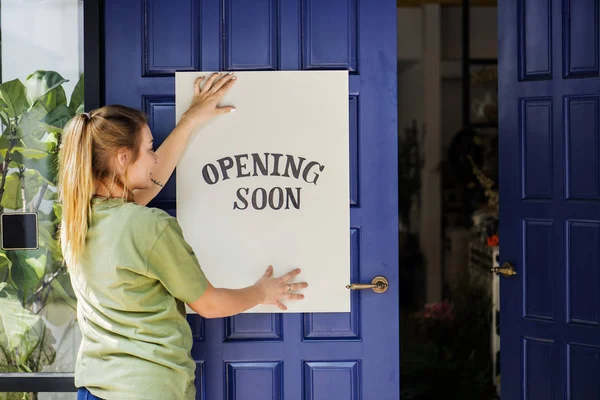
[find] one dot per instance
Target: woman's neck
(102, 190)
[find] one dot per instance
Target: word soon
(276, 198)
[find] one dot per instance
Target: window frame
(93, 66)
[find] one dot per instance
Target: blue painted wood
(295, 356)
(581, 142)
(197, 326)
(331, 380)
(161, 55)
(354, 145)
(536, 144)
(249, 327)
(261, 20)
(549, 141)
(260, 380)
(581, 38)
(585, 362)
(535, 46)
(326, 46)
(583, 255)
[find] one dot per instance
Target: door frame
(94, 72)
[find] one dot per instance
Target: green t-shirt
(132, 282)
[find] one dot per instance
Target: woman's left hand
(204, 105)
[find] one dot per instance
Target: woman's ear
(123, 157)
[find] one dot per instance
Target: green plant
(33, 115)
(445, 349)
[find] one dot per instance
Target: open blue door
(549, 114)
(314, 357)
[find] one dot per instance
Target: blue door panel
(166, 49)
(581, 38)
(251, 39)
(330, 42)
(276, 356)
(549, 138)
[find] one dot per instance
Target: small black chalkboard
(19, 231)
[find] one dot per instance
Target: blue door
(549, 114)
(312, 356)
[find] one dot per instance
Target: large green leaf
(5, 265)
(12, 198)
(46, 167)
(10, 133)
(13, 98)
(57, 210)
(39, 154)
(40, 83)
(30, 122)
(27, 270)
(20, 329)
(62, 291)
(51, 195)
(3, 115)
(43, 354)
(33, 183)
(31, 153)
(59, 116)
(46, 143)
(77, 96)
(47, 240)
(53, 98)
(4, 143)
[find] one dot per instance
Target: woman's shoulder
(147, 218)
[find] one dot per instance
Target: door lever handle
(379, 284)
(505, 270)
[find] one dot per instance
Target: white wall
(42, 34)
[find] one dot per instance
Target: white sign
(269, 185)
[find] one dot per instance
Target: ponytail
(76, 186)
(89, 142)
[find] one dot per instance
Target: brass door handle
(505, 270)
(379, 285)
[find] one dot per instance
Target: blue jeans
(84, 394)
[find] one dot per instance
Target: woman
(130, 266)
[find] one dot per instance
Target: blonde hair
(89, 142)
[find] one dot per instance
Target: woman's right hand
(273, 290)
(206, 98)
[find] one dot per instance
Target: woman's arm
(218, 302)
(169, 154)
(204, 107)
